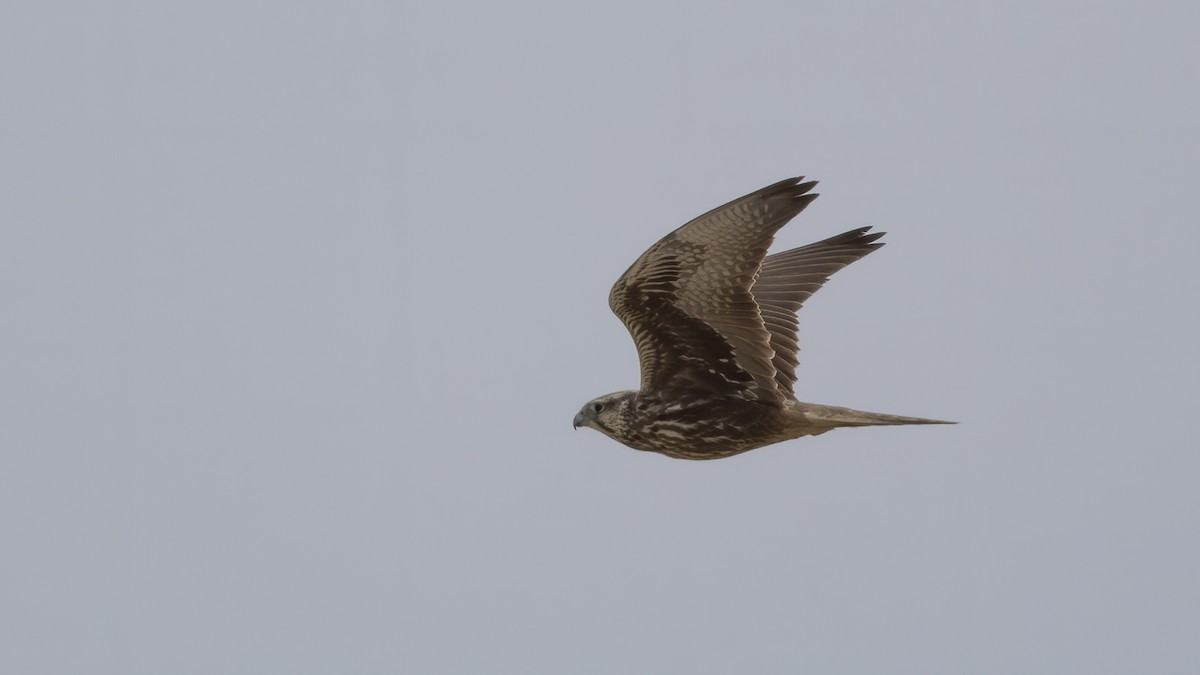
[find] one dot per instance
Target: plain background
(299, 300)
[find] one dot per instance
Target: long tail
(834, 416)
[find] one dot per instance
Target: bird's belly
(708, 431)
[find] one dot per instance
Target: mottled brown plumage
(715, 327)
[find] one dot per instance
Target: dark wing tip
(791, 186)
(870, 239)
(790, 193)
(861, 236)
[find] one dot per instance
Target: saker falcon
(715, 328)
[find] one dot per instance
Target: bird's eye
(598, 407)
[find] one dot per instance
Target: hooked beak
(579, 421)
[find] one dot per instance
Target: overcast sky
(299, 300)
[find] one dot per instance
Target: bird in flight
(715, 327)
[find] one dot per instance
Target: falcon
(714, 322)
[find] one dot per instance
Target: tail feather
(834, 416)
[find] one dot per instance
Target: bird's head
(608, 414)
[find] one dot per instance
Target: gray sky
(300, 300)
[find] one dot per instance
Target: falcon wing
(687, 302)
(787, 279)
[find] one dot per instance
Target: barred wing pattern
(687, 301)
(788, 279)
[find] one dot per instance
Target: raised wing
(787, 279)
(687, 301)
